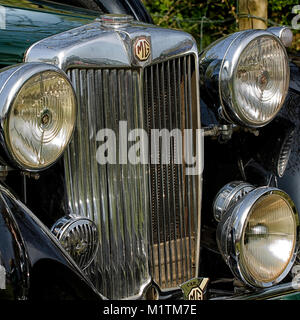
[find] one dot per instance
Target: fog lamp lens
(258, 236)
(269, 238)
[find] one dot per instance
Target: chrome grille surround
(121, 199)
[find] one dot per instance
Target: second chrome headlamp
(249, 72)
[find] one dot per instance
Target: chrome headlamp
(38, 113)
(249, 72)
(258, 233)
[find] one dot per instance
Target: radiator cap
(115, 20)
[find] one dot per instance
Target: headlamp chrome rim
(236, 224)
(12, 80)
(228, 69)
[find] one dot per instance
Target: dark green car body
(23, 23)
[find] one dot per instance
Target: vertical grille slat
(165, 123)
(176, 76)
(182, 211)
(100, 193)
(154, 172)
(173, 147)
(193, 124)
(188, 190)
(126, 200)
(162, 191)
(169, 105)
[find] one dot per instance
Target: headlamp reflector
(39, 114)
(269, 238)
(41, 120)
(260, 80)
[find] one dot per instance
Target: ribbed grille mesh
(114, 196)
(143, 233)
(168, 91)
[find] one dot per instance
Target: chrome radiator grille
(168, 90)
(146, 215)
(114, 196)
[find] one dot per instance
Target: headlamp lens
(260, 80)
(41, 120)
(269, 238)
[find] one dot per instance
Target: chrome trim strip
(92, 46)
(269, 293)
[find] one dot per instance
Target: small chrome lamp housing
(38, 113)
(247, 73)
(258, 234)
(79, 237)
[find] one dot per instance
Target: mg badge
(142, 49)
(194, 289)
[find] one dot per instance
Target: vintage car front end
(134, 228)
(106, 126)
(146, 214)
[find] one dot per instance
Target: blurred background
(209, 20)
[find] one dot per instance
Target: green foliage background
(209, 20)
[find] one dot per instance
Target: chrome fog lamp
(79, 237)
(258, 235)
(38, 113)
(249, 72)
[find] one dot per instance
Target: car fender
(290, 182)
(33, 264)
